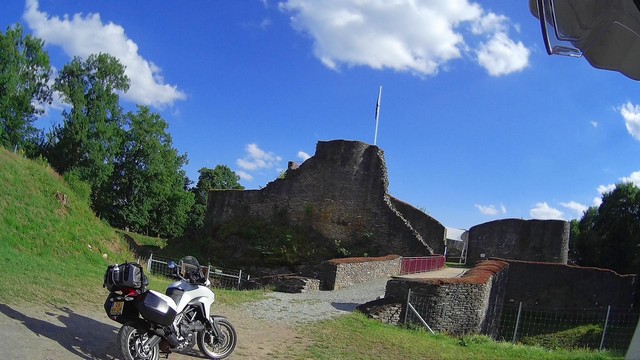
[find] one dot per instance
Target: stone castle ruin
(340, 196)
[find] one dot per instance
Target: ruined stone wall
(431, 230)
(340, 273)
(529, 240)
(341, 194)
(565, 286)
(469, 304)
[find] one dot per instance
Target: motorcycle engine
(183, 326)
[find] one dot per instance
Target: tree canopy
(24, 76)
(608, 236)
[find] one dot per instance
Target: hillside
(52, 246)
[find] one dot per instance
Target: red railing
(412, 265)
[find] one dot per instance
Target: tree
(90, 137)
(24, 76)
(609, 236)
(219, 178)
(147, 191)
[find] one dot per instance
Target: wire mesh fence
(595, 328)
(219, 277)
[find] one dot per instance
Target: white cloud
(303, 155)
(575, 207)
(631, 115)
(83, 35)
(257, 159)
(594, 124)
(491, 209)
(543, 211)
(244, 175)
(501, 56)
(404, 35)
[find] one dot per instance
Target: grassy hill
(52, 247)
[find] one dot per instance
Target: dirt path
(37, 332)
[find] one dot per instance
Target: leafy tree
(24, 78)
(609, 236)
(219, 178)
(90, 137)
(148, 192)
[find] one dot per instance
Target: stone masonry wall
(529, 240)
(340, 273)
(566, 286)
(458, 305)
(341, 194)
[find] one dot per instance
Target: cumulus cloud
(631, 115)
(542, 211)
(244, 175)
(256, 159)
(303, 155)
(83, 35)
(406, 36)
(502, 56)
(491, 209)
(575, 207)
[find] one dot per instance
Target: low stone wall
(469, 304)
(297, 284)
(340, 273)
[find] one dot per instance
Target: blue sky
(477, 122)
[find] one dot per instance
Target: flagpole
(375, 137)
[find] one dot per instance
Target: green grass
(356, 337)
(50, 252)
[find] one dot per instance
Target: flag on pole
(375, 136)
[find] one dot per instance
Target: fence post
(149, 263)
(239, 278)
(515, 331)
(406, 311)
(606, 322)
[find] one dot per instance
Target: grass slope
(50, 250)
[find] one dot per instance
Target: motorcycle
(153, 322)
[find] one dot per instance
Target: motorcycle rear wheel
(218, 347)
(130, 340)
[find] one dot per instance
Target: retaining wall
(339, 273)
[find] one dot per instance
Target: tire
(130, 340)
(218, 347)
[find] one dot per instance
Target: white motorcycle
(153, 322)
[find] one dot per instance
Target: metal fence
(413, 265)
(219, 277)
(595, 328)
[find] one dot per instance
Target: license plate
(116, 308)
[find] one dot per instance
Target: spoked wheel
(218, 347)
(130, 344)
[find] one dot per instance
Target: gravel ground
(297, 309)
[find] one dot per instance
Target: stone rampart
(565, 286)
(340, 273)
(529, 240)
(469, 304)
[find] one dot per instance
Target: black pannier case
(127, 275)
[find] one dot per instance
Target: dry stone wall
(469, 304)
(340, 273)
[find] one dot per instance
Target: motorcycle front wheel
(130, 344)
(218, 347)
